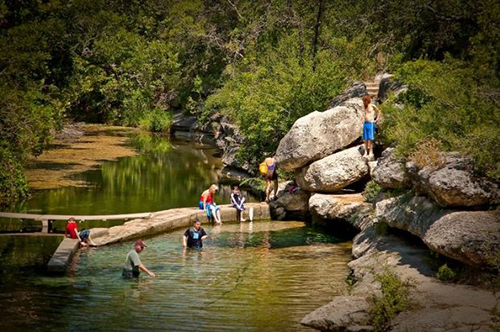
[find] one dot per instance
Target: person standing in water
(271, 176)
(207, 203)
(133, 264)
(194, 236)
(371, 118)
(237, 201)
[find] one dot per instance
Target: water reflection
(261, 276)
(165, 174)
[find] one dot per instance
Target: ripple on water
(249, 277)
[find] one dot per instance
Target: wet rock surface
(291, 203)
(472, 237)
(351, 208)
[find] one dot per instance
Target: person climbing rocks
(194, 236)
(371, 119)
(271, 175)
(72, 231)
(237, 201)
(207, 203)
(133, 265)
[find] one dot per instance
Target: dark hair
(196, 220)
(366, 100)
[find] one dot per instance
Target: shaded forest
(264, 64)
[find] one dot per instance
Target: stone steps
(372, 88)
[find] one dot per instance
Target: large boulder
(390, 171)
(292, 203)
(350, 208)
(453, 183)
(472, 237)
(320, 134)
(344, 313)
(334, 172)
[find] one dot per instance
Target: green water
(165, 174)
(261, 276)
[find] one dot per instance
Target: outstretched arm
(143, 268)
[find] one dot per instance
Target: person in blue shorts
(371, 118)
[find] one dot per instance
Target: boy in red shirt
(72, 230)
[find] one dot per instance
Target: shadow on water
(284, 238)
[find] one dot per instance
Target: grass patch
(445, 273)
(395, 298)
(372, 189)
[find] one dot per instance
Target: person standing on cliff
(194, 236)
(271, 176)
(371, 118)
(133, 265)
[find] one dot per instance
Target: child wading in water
(237, 201)
(371, 117)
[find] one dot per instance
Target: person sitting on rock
(371, 118)
(271, 176)
(72, 231)
(133, 265)
(207, 203)
(237, 201)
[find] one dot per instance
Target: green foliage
(395, 298)
(372, 189)
(263, 64)
(445, 273)
(157, 121)
(446, 104)
(266, 99)
(13, 184)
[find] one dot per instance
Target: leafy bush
(13, 183)
(445, 273)
(267, 97)
(372, 189)
(427, 154)
(157, 121)
(395, 299)
(447, 107)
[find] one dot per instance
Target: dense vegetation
(262, 63)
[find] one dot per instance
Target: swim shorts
(369, 131)
(209, 210)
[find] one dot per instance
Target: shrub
(395, 299)
(427, 154)
(157, 121)
(13, 183)
(372, 189)
(448, 106)
(445, 273)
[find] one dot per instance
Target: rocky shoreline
(444, 205)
